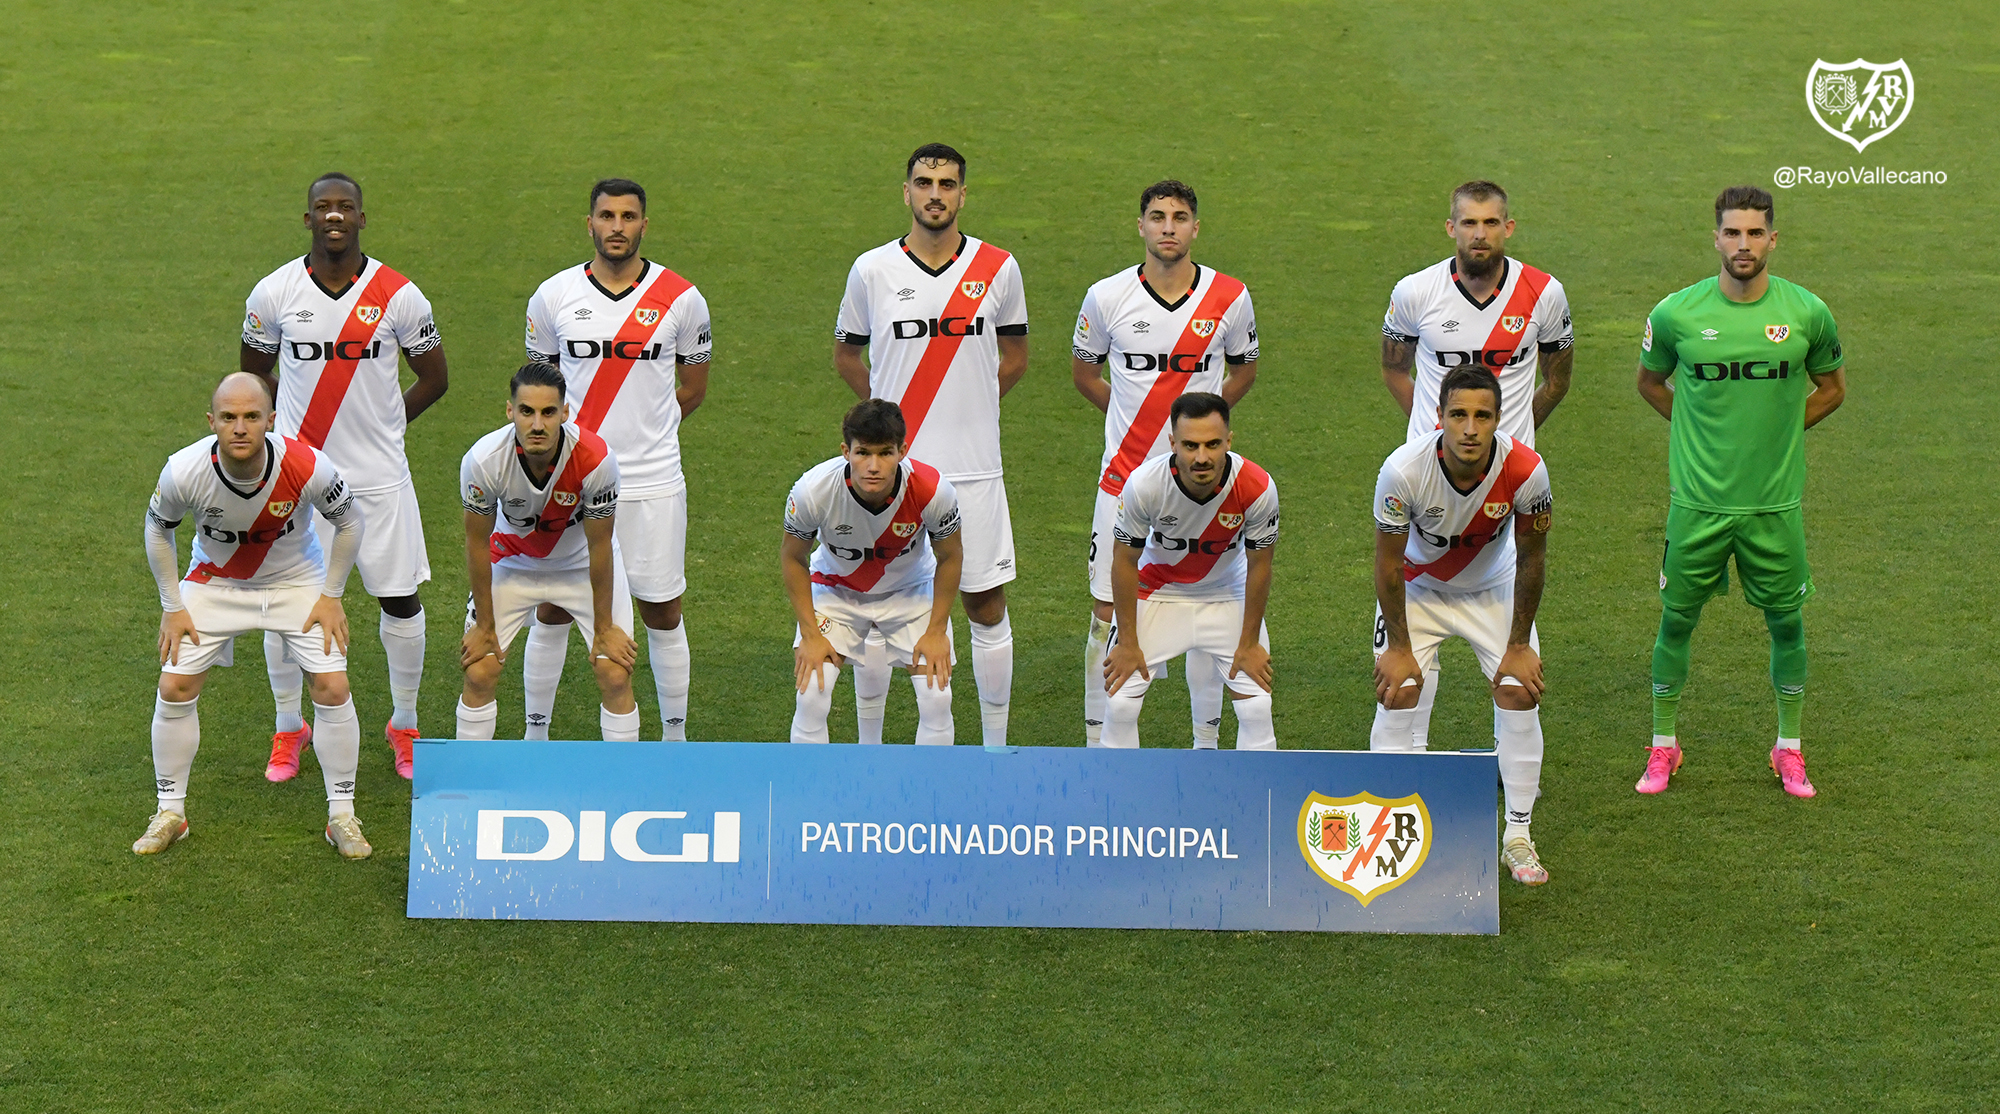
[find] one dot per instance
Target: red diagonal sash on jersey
(1205, 551)
(555, 517)
(1514, 471)
(1159, 401)
(294, 469)
(928, 379)
(338, 373)
(909, 513)
(632, 336)
(1521, 303)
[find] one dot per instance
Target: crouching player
(255, 567)
(1461, 540)
(888, 561)
(540, 475)
(1191, 570)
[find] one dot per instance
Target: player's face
(617, 225)
(1469, 419)
(934, 193)
(1169, 228)
(1480, 230)
(538, 413)
(1744, 239)
(1200, 447)
(872, 468)
(334, 216)
(240, 418)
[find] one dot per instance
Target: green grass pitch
(1720, 947)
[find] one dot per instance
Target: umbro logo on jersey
(1451, 326)
(517, 503)
(368, 314)
(564, 498)
(972, 289)
(1203, 328)
(1513, 323)
(843, 528)
(1709, 334)
(1434, 512)
(647, 316)
(905, 294)
(212, 512)
(902, 529)
(1142, 326)
(1777, 333)
(282, 508)
(1229, 521)
(305, 315)
(584, 312)
(1168, 520)
(1498, 510)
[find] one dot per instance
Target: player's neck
(1463, 475)
(337, 270)
(618, 276)
(933, 248)
(1744, 290)
(1170, 281)
(1481, 287)
(246, 471)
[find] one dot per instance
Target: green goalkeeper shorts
(1770, 554)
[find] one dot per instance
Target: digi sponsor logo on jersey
(1210, 547)
(1740, 369)
(497, 839)
(613, 349)
(915, 328)
(224, 536)
(1491, 357)
(1364, 844)
(1184, 363)
(308, 350)
(869, 552)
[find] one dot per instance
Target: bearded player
(332, 324)
(876, 516)
(943, 324)
(1461, 544)
(256, 566)
(632, 339)
(1192, 571)
(1145, 336)
(541, 502)
(1478, 307)
(1740, 365)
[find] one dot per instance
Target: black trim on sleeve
(1020, 330)
(1243, 359)
(858, 340)
(1562, 345)
(801, 535)
(1087, 356)
(266, 349)
(1397, 337)
(693, 358)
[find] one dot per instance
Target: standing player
(540, 475)
(944, 323)
(876, 515)
(1155, 331)
(632, 339)
(331, 324)
(1461, 544)
(1754, 361)
(1477, 308)
(255, 566)
(1192, 571)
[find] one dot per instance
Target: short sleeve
(599, 494)
(1134, 520)
(329, 493)
(941, 513)
(166, 508)
(799, 520)
(1825, 354)
(1392, 501)
(541, 339)
(851, 326)
(1556, 334)
(260, 320)
(479, 494)
(1656, 346)
(1009, 308)
(1401, 322)
(1260, 520)
(1239, 324)
(1534, 496)
(1092, 341)
(693, 342)
(410, 318)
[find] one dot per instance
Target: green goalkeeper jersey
(1741, 373)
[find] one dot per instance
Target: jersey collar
(215, 462)
(555, 463)
(1222, 485)
(1155, 295)
(345, 290)
(1492, 458)
(1506, 271)
(904, 243)
(645, 268)
(847, 477)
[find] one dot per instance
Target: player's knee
(610, 675)
(402, 607)
(179, 688)
(660, 616)
(329, 689)
(1404, 698)
(1102, 610)
(986, 608)
(1514, 698)
(550, 613)
(483, 675)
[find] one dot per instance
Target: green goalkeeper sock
(1670, 665)
(1788, 667)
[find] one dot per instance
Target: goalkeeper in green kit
(1741, 365)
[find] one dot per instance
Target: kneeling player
(1449, 562)
(255, 567)
(1192, 571)
(541, 474)
(877, 515)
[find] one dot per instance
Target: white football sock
(671, 660)
(176, 736)
(403, 645)
(1094, 645)
(1420, 724)
(541, 672)
(809, 715)
(288, 683)
(1517, 740)
(618, 727)
(934, 724)
(993, 673)
(1665, 741)
(1789, 744)
(1121, 714)
(337, 742)
(871, 687)
(1254, 730)
(1391, 733)
(477, 723)
(1204, 679)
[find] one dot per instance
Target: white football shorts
(652, 534)
(221, 612)
(988, 531)
(392, 560)
(847, 617)
(1103, 518)
(517, 592)
(1483, 619)
(1170, 628)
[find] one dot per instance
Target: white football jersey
(252, 536)
(872, 551)
(532, 529)
(338, 380)
(619, 354)
(1459, 541)
(933, 347)
(1527, 315)
(1193, 549)
(1156, 351)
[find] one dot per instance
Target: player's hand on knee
(932, 656)
(175, 625)
(1254, 661)
(331, 619)
(813, 651)
(1121, 663)
(479, 642)
(614, 645)
(1393, 669)
(1522, 663)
